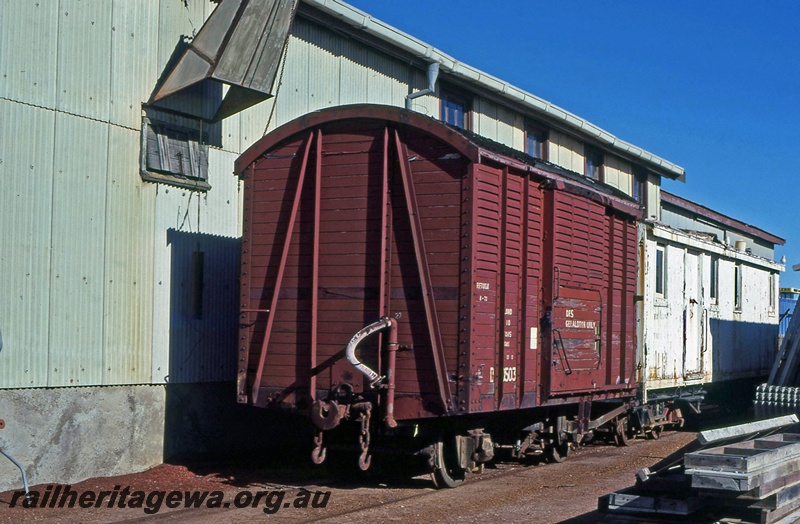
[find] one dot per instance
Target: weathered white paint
(687, 336)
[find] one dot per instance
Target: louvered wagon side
(411, 287)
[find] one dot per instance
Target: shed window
(454, 109)
(174, 154)
(639, 181)
(536, 142)
(594, 163)
(661, 271)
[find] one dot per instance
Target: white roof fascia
(363, 21)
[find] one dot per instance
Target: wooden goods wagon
(428, 287)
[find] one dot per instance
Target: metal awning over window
(240, 45)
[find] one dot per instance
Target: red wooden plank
(281, 268)
(422, 267)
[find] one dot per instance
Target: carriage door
(692, 316)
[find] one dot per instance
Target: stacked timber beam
(738, 474)
(781, 394)
(760, 477)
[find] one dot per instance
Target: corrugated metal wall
(26, 189)
(186, 348)
(566, 152)
(86, 247)
(618, 173)
(499, 123)
(29, 47)
(77, 248)
(325, 70)
(128, 297)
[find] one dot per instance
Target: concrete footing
(65, 435)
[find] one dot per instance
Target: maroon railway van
(417, 281)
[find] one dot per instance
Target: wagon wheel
(655, 433)
(446, 471)
(556, 452)
(621, 431)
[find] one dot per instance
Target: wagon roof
(476, 148)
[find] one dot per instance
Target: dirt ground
(510, 492)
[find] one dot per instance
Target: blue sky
(711, 86)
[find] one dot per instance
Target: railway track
(507, 490)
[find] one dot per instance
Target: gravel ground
(565, 492)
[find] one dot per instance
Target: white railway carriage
(708, 318)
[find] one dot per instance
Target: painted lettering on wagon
(508, 334)
(577, 324)
(580, 324)
(483, 286)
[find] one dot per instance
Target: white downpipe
(433, 74)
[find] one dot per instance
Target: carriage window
(661, 271)
(737, 288)
(714, 280)
(772, 292)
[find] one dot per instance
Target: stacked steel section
(781, 393)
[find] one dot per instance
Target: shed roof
(361, 21)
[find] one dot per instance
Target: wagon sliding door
(590, 255)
